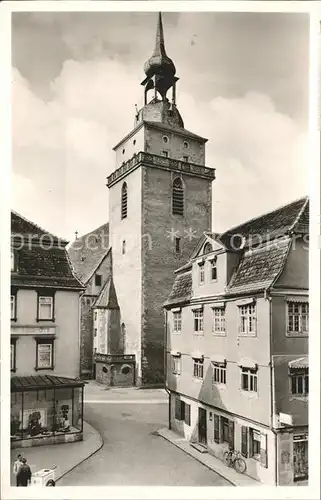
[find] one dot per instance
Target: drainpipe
(268, 297)
(165, 369)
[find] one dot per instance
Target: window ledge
(297, 334)
(299, 397)
(199, 334)
(177, 333)
(13, 319)
(47, 368)
(249, 394)
(246, 335)
(219, 334)
(13, 369)
(52, 320)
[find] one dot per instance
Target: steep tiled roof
(293, 216)
(22, 226)
(88, 251)
(258, 268)
(182, 288)
(40, 265)
(107, 298)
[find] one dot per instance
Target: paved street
(132, 453)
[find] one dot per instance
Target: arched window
(177, 197)
(124, 201)
(207, 248)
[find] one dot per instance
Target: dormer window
(213, 270)
(124, 200)
(98, 280)
(165, 153)
(201, 271)
(185, 144)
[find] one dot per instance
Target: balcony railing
(162, 162)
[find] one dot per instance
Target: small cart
(44, 477)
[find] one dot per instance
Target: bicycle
(234, 459)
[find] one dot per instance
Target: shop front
(293, 457)
(46, 410)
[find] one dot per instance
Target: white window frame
(13, 354)
(50, 299)
(198, 321)
(198, 369)
(247, 320)
(177, 322)
(304, 375)
(297, 322)
(176, 365)
(219, 374)
(256, 436)
(252, 379)
(48, 366)
(219, 324)
(13, 306)
(213, 266)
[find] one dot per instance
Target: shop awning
(219, 359)
(197, 355)
(299, 364)
(247, 363)
(19, 384)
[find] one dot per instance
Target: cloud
(62, 148)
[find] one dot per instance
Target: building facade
(237, 345)
(160, 200)
(46, 395)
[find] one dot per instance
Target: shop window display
(46, 412)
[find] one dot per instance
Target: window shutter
(187, 414)
(231, 434)
(250, 443)
(244, 441)
(177, 409)
(216, 428)
(264, 461)
(183, 406)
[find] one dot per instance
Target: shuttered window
(177, 197)
(244, 444)
(124, 201)
(177, 409)
(231, 435)
(187, 414)
(264, 456)
(216, 428)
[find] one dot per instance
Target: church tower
(160, 197)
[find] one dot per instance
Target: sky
(76, 79)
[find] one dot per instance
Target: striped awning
(299, 364)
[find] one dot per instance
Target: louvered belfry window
(124, 201)
(178, 197)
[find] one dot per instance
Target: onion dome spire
(159, 66)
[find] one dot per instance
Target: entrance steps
(199, 447)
